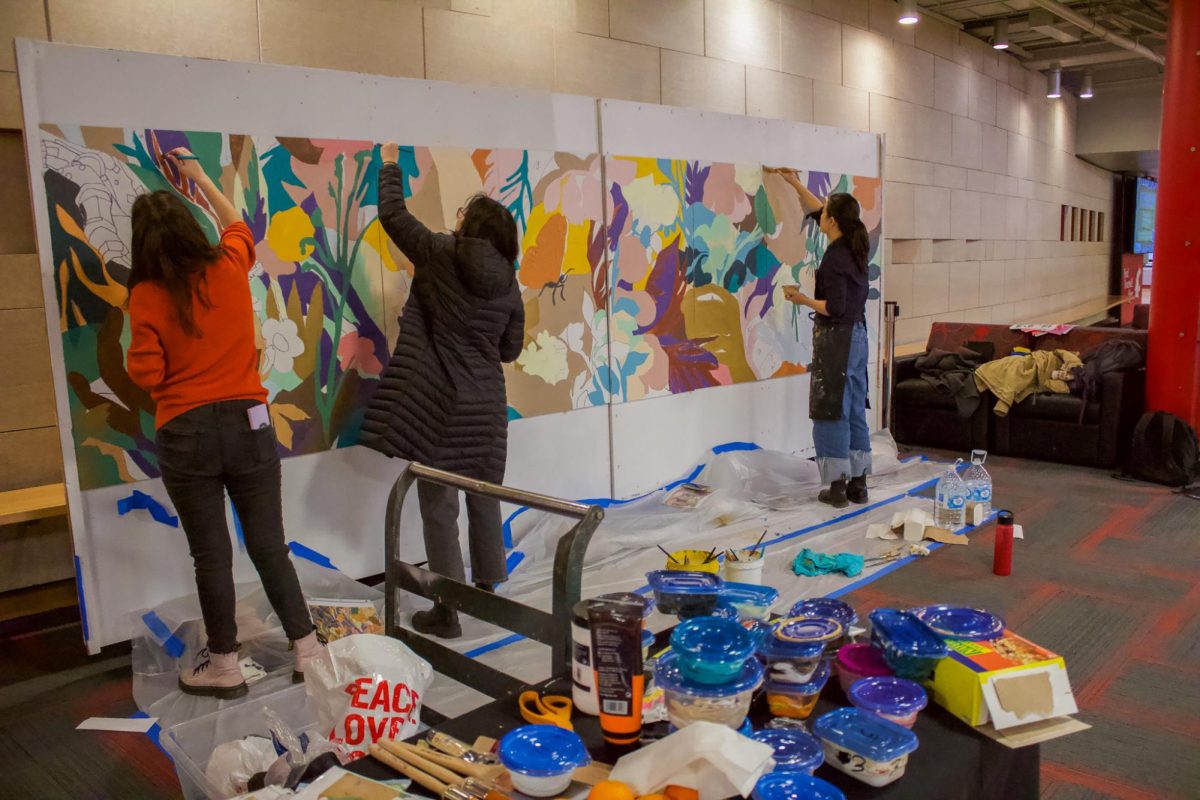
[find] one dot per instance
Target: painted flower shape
(652, 205)
(546, 357)
(358, 352)
(283, 345)
(290, 234)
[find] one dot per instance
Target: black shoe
(438, 621)
(856, 490)
(485, 586)
(835, 495)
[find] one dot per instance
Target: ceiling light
(1086, 91)
(1054, 83)
(1000, 34)
(908, 12)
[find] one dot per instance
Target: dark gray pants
(439, 518)
(203, 453)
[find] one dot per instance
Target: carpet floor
(1108, 576)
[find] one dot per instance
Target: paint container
(859, 660)
(693, 561)
(795, 786)
(711, 651)
(829, 608)
(795, 751)
(684, 594)
(583, 682)
(542, 758)
(894, 699)
(744, 566)
(751, 600)
(910, 647)
(615, 624)
(964, 624)
(689, 701)
(795, 648)
(796, 700)
(865, 746)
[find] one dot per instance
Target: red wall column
(1173, 357)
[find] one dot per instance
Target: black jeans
(203, 453)
(439, 517)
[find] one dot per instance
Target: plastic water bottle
(950, 506)
(979, 483)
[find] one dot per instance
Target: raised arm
(409, 233)
(808, 201)
(189, 167)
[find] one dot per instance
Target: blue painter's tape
(82, 599)
(514, 558)
(170, 643)
(154, 733)
(308, 554)
(496, 645)
(158, 511)
(237, 528)
(734, 447)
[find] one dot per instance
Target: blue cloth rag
(813, 564)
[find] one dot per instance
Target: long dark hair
(487, 219)
(846, 213)
(169, 247)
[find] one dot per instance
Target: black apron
(831, 358)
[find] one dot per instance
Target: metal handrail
(553, 628)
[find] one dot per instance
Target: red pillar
(1173, 355)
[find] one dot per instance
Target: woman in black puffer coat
(441, 401)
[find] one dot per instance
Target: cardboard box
(1008, 681)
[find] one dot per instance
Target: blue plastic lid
(749, 594)
(907, 634)
(795, 786)
(647, 638)
(680, 582)
(712, 639)
(726, 611)
(869, 735)
(808, 629)
(956, 622)
(668, 675)
(894, 696)
(815, 684)
(543, 751)
(794, 750)
(825, 607)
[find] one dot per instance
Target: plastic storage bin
(689, 701)
(190, 744)
(955, 622)
(894, 699)
(751, 601)
(794, 649)
(795, 750)
(685, 594)
(542, 758)
(796, 700)
(865, 746)
(795, 786)
(711, 650)
(859, 660)
(910, 647)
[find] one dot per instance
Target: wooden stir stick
(399, 750)
(408, 770)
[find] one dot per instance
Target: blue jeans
(844, 445)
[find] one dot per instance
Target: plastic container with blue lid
(542, 758)
(796, 700)
(711, 650)
(685, 594)
(826, 607)
(795, 786)
(865, 745)
(794, 649)
(911, 648)
(691, 701)
(895, 699)
(746, 730)
(957, 622)
(726, 611)
(795, 751)
(751, 600)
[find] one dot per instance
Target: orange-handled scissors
(553, 709)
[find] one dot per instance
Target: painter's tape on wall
(158, 511)
(83, 618)
(170, 643)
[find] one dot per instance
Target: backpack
(1111, 355)
(1165, 450)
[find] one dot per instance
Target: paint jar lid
(814, 686)
(795, 786)
(956, 622)
(863, 659)
(906, 634)
(893, 696)
(825, 607)
(866, 734)
(683, 582)
(670, 677)
(794, 750)
(543, 751)
(712, 639)
(749, 594)
(806, 630)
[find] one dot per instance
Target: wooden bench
(36, 502)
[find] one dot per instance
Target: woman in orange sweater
(192, 347)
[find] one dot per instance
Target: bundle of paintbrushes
(750, 554)
(449, 777)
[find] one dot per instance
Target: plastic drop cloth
(171, 634)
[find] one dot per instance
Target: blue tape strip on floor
(158, 511)
(83, 615)
(154, 733)
(169, 642)
(308, 554)
(496, 645)
(513, 560)
(237, 527)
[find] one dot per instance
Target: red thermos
(1002, 560)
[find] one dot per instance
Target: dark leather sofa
(1045, 426)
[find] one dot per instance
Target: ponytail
(845, 212)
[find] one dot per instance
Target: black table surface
(952, 762)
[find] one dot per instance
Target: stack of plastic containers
(795, 751)
(864, 745)
(794, 651)
(710, 674)
(911, 648)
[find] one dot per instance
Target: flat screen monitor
(1143, 215)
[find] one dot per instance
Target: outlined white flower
(283, 345)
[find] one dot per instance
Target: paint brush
(408, 770)
(759, 542)
(711, 555)
(670, 557)
(183, 158)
